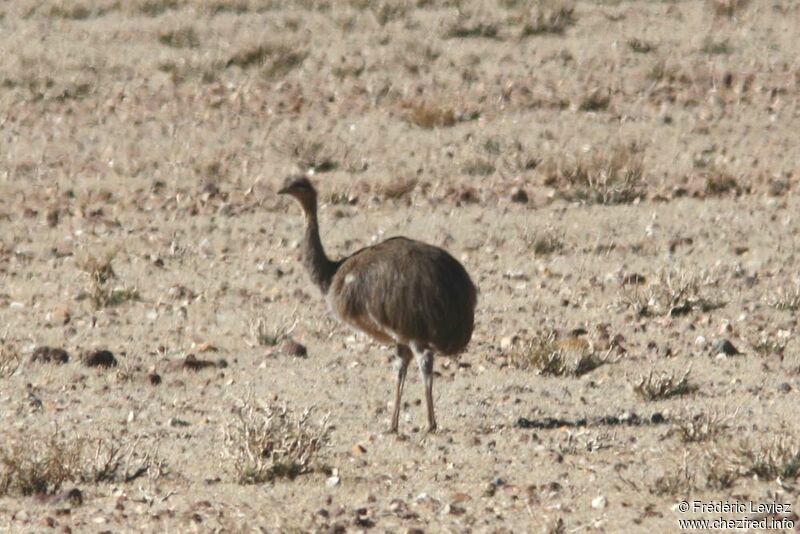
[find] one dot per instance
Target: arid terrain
(620, 178)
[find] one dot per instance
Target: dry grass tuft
(726, 8)
(102, 292)
(311, 151)
(270, 441)
(778, 458)
(613, 177)
(266, 332)
(548, 17)
(545, 242)
(701, 427)
(430, 116)
(595, 100)
(274, 59)
(185, 37)
(681, 480)
(640, 46)
(548, 356)
(9, 358)
(714, 47)
(720, 182)
(664, 386)
(471, 24)
(399, 188)
(673, 293)
(43, 464)
(787, 298)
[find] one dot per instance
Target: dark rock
(726, 347)
(657, 418)
(50, 355)
(519, 195)
(293, 348)
(99, 358)
(154, 378)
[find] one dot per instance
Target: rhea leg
(401, 362)
(424, 357)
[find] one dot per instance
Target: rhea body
(400, 291)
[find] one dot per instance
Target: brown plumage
(399, 291)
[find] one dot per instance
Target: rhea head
(301, 189)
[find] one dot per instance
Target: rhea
(400, 291)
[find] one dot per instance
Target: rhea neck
(319, 267)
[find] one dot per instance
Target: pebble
(333, 481)
(598, 503)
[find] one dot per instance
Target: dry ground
(619, 177)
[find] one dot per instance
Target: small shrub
(640, 46)
(787, 298)
(9, 358)
(399, 188)
(595, 100)
(431, 116)
(309, 151)
(185, 37)
(275, 60)
(726, 8)
(101, 291)
(270, 441)
(545, 242)
(44, 463)
(268, 333)
(469, 24)
(613, 177)
(778, 458)
(548, 356)
(701, 427)
(548, 17)
(681, 480)
(664, 386)
(712, 46)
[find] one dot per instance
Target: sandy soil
(620, 179)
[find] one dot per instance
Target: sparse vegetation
(613, 177)
(701, 427)
(9, 358)
(399, 188)
(547, 17)
(430, 116)
(102, 292)
(681, 480)
(653, 388)
(269, 441)
(727, 8)
(545, 242)
(595, 100)
(274, 59)
(548, 356)
(471, 24)
(266, 332)
(42, 464)
(640, 46)
(713, 46)
(310, 150)
(185, 37)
